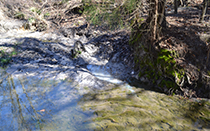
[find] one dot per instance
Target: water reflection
(34, 104)
(31, 103)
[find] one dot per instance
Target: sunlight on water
(101, 73)
(36, 104)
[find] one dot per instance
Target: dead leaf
(42, 110)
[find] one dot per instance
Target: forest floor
(191, 41)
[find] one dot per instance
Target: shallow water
(101, 73)
(36, 104)
(32, 103)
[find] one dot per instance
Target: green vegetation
(19, 15)
(38, 18)
(76, 54)
(35, 10)
(115, 109)
(86, 88)
(112, 14)
(46, 15)
(162, 70)
(5, 57)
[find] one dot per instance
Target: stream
(45, 89)
(32, 103)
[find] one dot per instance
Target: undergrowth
(5, 57)
(112, 14)
(162, 71)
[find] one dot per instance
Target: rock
(143, 79)
(48, 55)
(91, 48)
(2, 16)
(68, 32)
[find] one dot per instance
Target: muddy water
(32, 103)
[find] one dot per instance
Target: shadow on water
(36, 104)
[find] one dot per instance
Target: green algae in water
(147, 110)
(114, 109)
(86, 88)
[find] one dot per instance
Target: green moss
(208, 72)
(86, 88)
(111, 17)
(5, 57)
(163, 67)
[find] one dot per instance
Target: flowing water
(32, 103)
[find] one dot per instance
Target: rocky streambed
(44, 88)
(49, 54)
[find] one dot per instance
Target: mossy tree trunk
(155, 22)
(149, 31)
(146, 35)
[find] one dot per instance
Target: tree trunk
(156, 17)
(175, 6)
(155, 21)
(146, 35)
(149, 32)
(205, 5)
